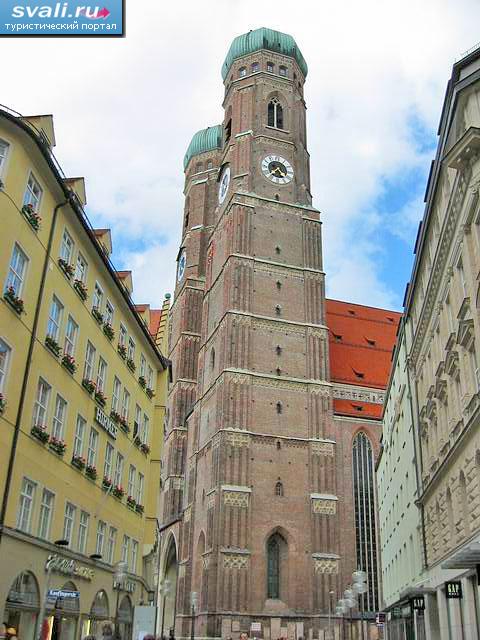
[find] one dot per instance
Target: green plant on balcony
(32, 217)
(124, 426)
(131, 502)
(150, 393)
(108, 331)
(122, 350)
(81, 289)
(139, 508)
(144, 448)
(52, 345)
(106, 483)
(13, 300)
(57, 445)
(118, 491)
(68, 362)
(101, 398)
(142, 382)
(136, 441)
(89, 385)
(66, 268)
(115, 416)
(39, 431)
(3, 403)
(97, 314)
(91, 472)
(131, 365)
(78, 462)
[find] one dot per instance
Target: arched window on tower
(279, 489)
(212, 359)
(275, 114)
(273, 566)
(228, 130)
(365, 531)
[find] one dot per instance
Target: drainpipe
(26, 375)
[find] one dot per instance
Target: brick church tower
(252, 511)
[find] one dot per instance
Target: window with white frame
(58, 424)
(40, 409)
(97, 299)
(146, 429)
(46, 512)
(55, 319)
(25, 505)
(140, 485)
(101, 528)
(101, 375)
(138, 420)
(125, 404)
(66, 248)
(33, 193)
(71, 333)
(5, 354)
(81, 268)
(150, 377)
(116, 391)
(79, 437)
(89, 361)
(82, 538)
(133, 566)
(69, 522)
(119, 470)
(17, 271)
(107, 467)
(4, 146)
(111, 543)
(131, 349)
(125, 548)
(109, 311)
(92, 448)
(143, 366)
(122, 336)
(132, 472)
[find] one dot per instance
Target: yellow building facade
(83, 385)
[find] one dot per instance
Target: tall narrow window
(464, 504)
(143, 366)
(89, 361)
(228, 130)
(275, 114)
(33, 193)
(107, 467)
(111, 543)
(55, 319)
(40, 408)
(132, 472)
(71, 333)
(25, 505)
(58, 425)
(69, 522)
(79, 438)
(119, 470)
(133, 566)
(138, 420)
(16, 271)
(81, 268)
(46, 510)
(66, 248)
(101, 375)
(146, 429)
(92, 448)
(3, 155)
(273, 567)
(279, 489)
(364, 496)
(101, 527)
(131, 349)
(125, 549)
(5, 352)
(97, 300)
(117, 389)
(83, 531)
(125, 404)
(109, 311)
(140, 484)
(150, 377)
(122, 336)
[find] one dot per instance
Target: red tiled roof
(141, 307)
(155, 318)
(361, 340)
(123, 274)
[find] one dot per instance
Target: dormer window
(270, 67)
(371, 342)
(337, 337)
(358, 374)
(242, 72)
(283, 71)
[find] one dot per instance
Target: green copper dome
(204, 140)
(263, 39)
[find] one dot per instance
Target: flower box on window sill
(137, 442)
(106, 483)
(81, 289)
(131, 365)
(150, 393)
(69, 363)
(88, 385)
(97, 314)
(118, 492)
(52, 345)
(115, 416)
(144, 448)
(78, 462)
(56, 445)
(142, 382)
(3, 403)
(108, 331)
(13, 300)
(32, 218)
(40, 433)
(91, 472)
(67, 269)
(131, 502)
(124, 426)
(101, 398)
(122, 351)
(139, 508)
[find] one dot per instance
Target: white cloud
(125, 111)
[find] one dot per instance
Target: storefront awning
(465, 558)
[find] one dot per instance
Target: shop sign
(418, 603)
(453, 590)
(380, 619)
(105, 422)
(125, 585)
(54, 594)
(256, 627)
(69, 567)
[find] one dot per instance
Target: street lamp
(118, 577)
(360, 587)
(41, 614)
(164, 590)
(330, 594)
(193, 597)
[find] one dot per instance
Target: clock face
(182, 263)
(224, 184)
(277, 169)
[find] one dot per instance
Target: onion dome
(204, 140)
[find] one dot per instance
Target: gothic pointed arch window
(279, 489)
(275, 114)
(365, 525)
(273, 566)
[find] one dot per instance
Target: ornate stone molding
(325, 565)
(323, 448)
(237, 439)
(236, 499)
(360, 394)
(324, 506)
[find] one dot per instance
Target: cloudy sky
(125, 110)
